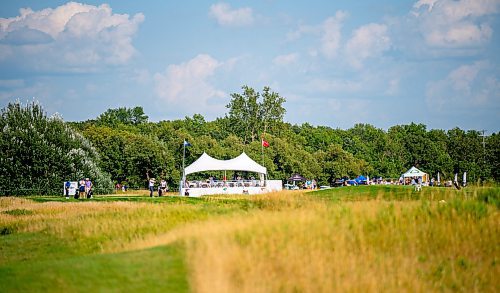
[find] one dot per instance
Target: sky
(337, 63)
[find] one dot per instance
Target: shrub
(38, 153)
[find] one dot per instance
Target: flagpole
(262, 149)
(183, 159)
(183, 169)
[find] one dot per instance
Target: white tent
(414, 172)
(240, 163)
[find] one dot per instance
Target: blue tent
(361, 179)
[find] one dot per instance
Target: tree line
(123, 144)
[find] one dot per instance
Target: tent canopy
(296, 177)
(240, 163)
(414, 172)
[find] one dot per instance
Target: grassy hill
(366, 238)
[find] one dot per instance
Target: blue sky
(336, 62)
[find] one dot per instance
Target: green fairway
(157, 269)
(350, 238)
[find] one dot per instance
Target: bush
(38, 153)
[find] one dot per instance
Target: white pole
(262, 149)
(183, 169)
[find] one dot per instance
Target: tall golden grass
(97, 227)
(292, 241)
(355, 246)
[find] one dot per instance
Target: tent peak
(241, 163)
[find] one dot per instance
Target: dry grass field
(347, 239)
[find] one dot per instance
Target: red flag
(265, 144)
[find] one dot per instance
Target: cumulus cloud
(455, 24)
(330, 41)
(465, 86)
(329, 32)
(188, 84)
(424, 3)
(71, 37)
(226, 16)
(283, 60)
(303, 29)
(367, 41)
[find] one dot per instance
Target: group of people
(162, 187)
(237, 181)
(122, 187)
(84, 188)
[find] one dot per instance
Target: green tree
(492, 155)
(249, 117)
(113, 117)
(338, 163)
(466, 152)
(370, 144)
(128, 156)
(38, 153)
(438, 148)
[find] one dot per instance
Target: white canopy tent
(240, 163)
(414, 172)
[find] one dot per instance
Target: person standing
(152, 182)
(81, 189)
(163, 187)
(88, 188)
(67, 185)
(151, 187)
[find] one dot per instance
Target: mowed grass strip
(348, 239)
(160, 269)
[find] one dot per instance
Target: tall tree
(491, 154)
(38, 153)
(113, 117)
(249, 117)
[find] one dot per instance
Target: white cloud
(71, 37)
(39, 90)
(302, 30)
(187, 85)
(330, 41)
(283, 60)
(11, 83)
(465, 86)
(393, 87)
(329, 32)
(226, 16)
(455, 24)
(367, 41)
(461, 78)
(421, 3)
(335, 85)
